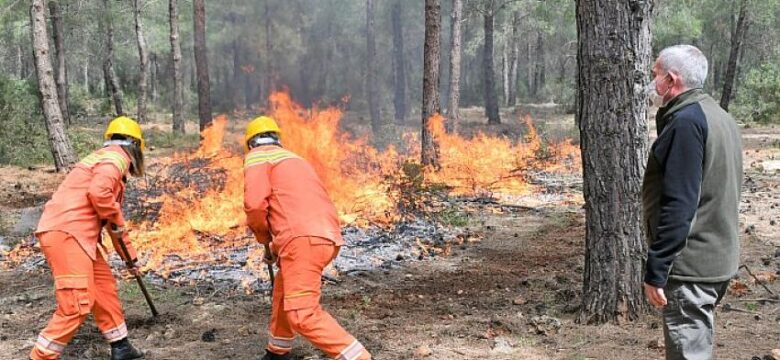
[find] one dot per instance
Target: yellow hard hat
(124, 125)
(260, 125)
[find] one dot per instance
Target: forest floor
(512, 295)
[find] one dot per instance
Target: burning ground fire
(188, 217)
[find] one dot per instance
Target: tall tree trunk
(371, 78)
(530, 70)
(236, 83)
(173, 18)
(505, 72)
(489, 74)
(453, 104)
(430, 96)
(202, 63)
(154, 72)
(513, 59)
(62, 70)
(19, 61)
(61, 150)
(539, 75)
(112, 81)
(613, 58)
(86, 75)
(399, 68)
(269, 84)
(737, 38)
(143, 59)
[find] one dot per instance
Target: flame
(354, 173)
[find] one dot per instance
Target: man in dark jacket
(691, 195)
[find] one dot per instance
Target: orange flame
(353, 172)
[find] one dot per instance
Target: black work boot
(271, 356)
(123, 350)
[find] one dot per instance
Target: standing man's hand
(655, 295)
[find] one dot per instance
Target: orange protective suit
(69, 233)
(285, 200)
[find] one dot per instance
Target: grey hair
(688, 62)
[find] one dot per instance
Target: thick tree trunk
(737, 38)
(201, 63)
(112, 81)
(61, 150)
(371, 78)
(613, 59)
(399, 66)
(513, 60)
(453, 102)
(62, 70)
(430, 98)
(143, 60)
(173, 18)
(489, 74)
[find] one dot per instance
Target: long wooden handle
(270, 267)
(138, 278)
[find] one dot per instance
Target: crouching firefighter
(286, 202)
(69, 231)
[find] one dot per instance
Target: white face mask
(655, 98)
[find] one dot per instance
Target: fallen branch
(728, 307)
(759, 281)
(758, 300)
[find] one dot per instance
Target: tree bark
(613, 58)
(201, 63)
(61, 150)
(489, 74)
(173, 19)
(143, 60)
(453, 104)
(112, 81)
(513, 60)
(399, 66)
(371, 78)
(430, 96)
(737, 38)
(62, 70)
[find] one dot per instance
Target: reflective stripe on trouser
(82, 286)
(689, 318)
(296, 301)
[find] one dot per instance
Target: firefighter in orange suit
(286, 202)
(69, 233)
